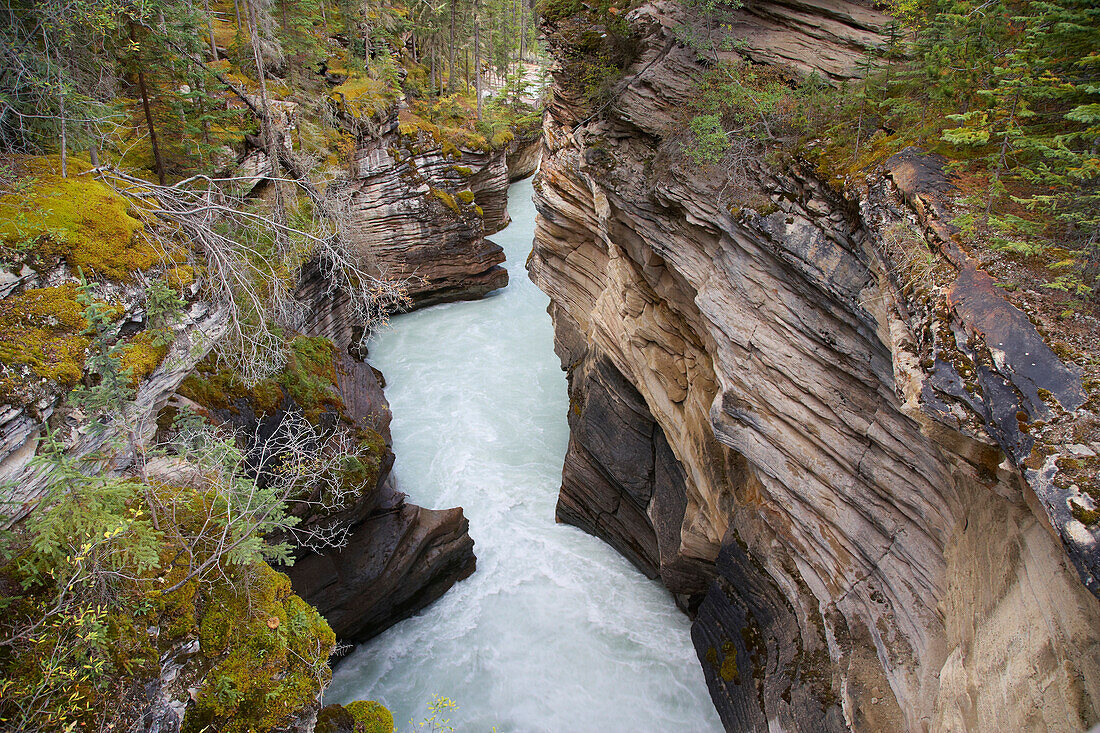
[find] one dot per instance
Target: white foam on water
(555, 631)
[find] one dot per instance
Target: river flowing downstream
(555, 631)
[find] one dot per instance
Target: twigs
(249, 494)
(251, 259)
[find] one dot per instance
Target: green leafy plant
(708, 142)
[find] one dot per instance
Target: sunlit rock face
(830, 468)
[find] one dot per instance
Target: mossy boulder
(75, 219)
(361, 716)
(370, 717)
(267, 651)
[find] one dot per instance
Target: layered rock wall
(421, 209)
(762, 416)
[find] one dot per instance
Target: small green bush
(708, 141)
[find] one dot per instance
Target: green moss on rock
(265, 646)
(370, 717)
(334, 719)
(501, 138)
(76, 219)
(143, 353)
(41, 340)
(728, 669)
(308, 378)
(1087, 517)
(445, 198)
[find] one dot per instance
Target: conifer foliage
(1019, 83)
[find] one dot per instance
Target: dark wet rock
(607, 482)
(396, 562)
(751, 648)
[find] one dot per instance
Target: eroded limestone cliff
(422, 207)
(844, 480)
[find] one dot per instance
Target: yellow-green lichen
(76, 219)
(728, 669)
(1087, 517)
(180, 276)
(466, 196)
(445, 198)
(41, 338)
(450, 150)
(143, 353)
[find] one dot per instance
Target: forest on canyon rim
(186, 162)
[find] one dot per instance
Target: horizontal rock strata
(421, 213)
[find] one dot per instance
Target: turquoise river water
(555, 631)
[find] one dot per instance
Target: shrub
(708, 141)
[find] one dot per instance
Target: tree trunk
(93, 149)
(157, 159)
(1001, 157)
(366, 34)
(451, 51)
(265, 118)
(435, 84)
(64, 124)
(477, 54)
(210, 30)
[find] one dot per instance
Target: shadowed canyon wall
(835, 474)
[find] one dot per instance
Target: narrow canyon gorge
(825, 455)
